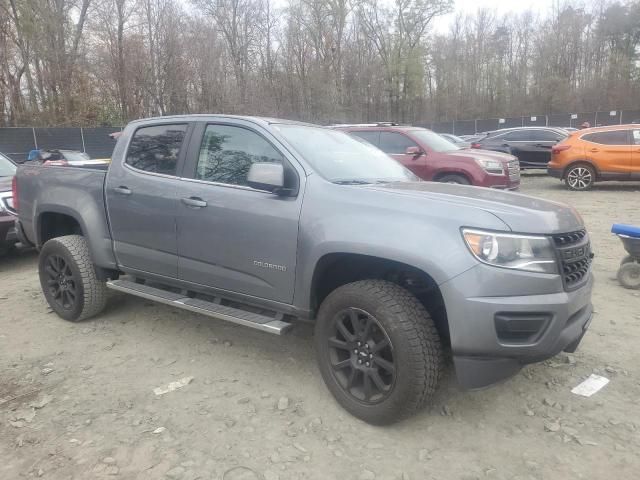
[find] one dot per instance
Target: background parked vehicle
(434, 158)
(7, 212)
(597, 154)
(456, 140)
(531, 145)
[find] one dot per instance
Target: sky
(441, 24)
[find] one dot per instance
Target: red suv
(432, 157)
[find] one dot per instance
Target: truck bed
(76, 192)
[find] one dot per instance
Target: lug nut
(367, 364)
(355, 350)
(371, 355)
(359, 344)
(360, 362)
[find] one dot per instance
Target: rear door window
(615, 137)
(636, 137)
(372, 137)
(544, 136)
(155, 149)
(517, 136)
(395, 143)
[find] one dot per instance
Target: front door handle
(194, 202)
(594, 150)
(122, 190)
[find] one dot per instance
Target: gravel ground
(77, 400)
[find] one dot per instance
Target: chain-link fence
(17, 142)
(595, 119)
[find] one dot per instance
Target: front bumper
(496, 330)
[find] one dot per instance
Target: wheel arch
(449, 171)
(336, 269)
(57, 222)
(573, 163)
(52, 221)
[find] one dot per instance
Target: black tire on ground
(580, 177)
(412, 349)
(454, 178)
(68, 278)
(629, 275)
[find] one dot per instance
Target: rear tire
(454, 178)
(377, 330)
(629, 275)
(68, 278)
(580, 177)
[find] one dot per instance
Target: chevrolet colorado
(266, 222)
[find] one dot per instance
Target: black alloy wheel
(361, 356)
(61, 282)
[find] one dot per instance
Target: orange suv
(596, 154)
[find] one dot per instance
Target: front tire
(580, 177)
(378, 350)
(68, 278)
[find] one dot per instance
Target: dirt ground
(77, 400)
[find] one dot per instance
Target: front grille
(514, 169)
(574, 252)
(569, 238)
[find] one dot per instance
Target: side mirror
(266, 176)
(415, 151)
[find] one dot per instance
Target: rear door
(610, 151)
(141, 200)
(635, 154)
(541, 143)
(515, 142)
(231, 236)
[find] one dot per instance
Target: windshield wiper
(351, 181)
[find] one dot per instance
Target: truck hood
(521, 213)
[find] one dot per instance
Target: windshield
(434, 141)
(75, 156)
(341, 158)
(7, 167)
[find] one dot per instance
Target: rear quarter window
(155, 149)
(615, 137)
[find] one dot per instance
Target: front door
(395, 144)
(141, 200)
(231, 236)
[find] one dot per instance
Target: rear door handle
(194, 202)
(594, 150)
(122, 190)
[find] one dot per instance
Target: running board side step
(265, 323)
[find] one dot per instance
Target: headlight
(491, 166)
(518, 252)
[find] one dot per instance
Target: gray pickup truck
(266, 222)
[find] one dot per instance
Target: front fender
(423, 234)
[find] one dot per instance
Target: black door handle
(122, 190)
(194, 202)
